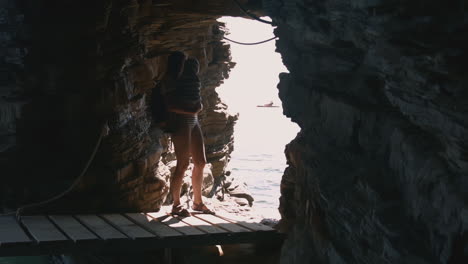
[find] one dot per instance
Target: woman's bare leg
(181, 140)
(197, 148)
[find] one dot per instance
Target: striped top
(185, 119)
(188, 89)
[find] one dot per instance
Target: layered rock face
(378, 173)
(73, 77)
(156, 30)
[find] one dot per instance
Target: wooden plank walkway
(58, 234)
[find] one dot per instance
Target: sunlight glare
(261, 133)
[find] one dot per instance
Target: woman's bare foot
(201, 207)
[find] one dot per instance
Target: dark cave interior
(378, 173)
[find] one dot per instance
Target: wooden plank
(245, 223)
(42, 229)
(126, 226)
(222, 223)
(176, 224)
(11, 232)
(158, 228)
(255, 226)
(202, 225)
(100, 227)
(158, 215)
(74, 229)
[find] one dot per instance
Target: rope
(10, 213)
(252, 15)
(254, 43)
(74, 184)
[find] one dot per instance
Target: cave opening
(261, 133)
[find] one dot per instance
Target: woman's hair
(175, 63)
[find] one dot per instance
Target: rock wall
(12, 59)
(153, 32)
(77, 72)
(378, 173)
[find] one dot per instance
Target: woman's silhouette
(181, 89)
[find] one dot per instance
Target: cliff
(378, 172)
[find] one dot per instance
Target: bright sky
(261, 133)
(253, 82)
(255, 76)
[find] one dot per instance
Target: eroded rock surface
(378, 172)
(78, 72)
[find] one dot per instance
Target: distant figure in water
(270, 104)
(182, 94)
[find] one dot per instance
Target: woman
(182, 95)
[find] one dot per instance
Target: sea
(261, 133)
(258, 159)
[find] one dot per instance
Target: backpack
(159, 112)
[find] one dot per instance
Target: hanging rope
(252, 15)
(104, 131)
(254, 43)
